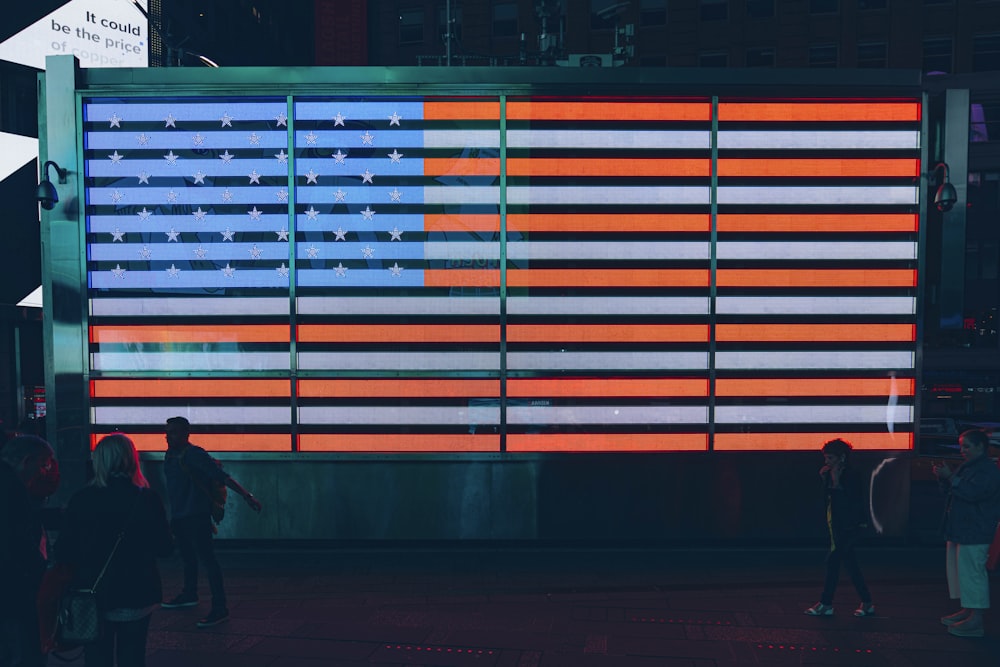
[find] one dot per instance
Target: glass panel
(760, 57)
(653, 12)
(824, 6)
(986, 53)
(937, 55)
(823, 56)
(713, 10)
(505, 19)
(411, 26)
(760, 9)
(873, 54)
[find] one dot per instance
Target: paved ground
(564, 608)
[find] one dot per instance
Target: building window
(604, 13)
(411, 26)
(824, 6)
(760, 9)
(505, 19)
(653, 61)
(823, 56)
(873, 54)
(714, 10)
(865, 5)
(986, 53)
(652, 12)
(937, 55)
(937, 2)
(760, 57)
(718, 59)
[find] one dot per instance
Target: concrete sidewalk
(564, 607)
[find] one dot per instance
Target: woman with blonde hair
(118, 501)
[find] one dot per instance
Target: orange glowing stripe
(607, 333)
(596, 222)
(808, 441)
(598, 387)
(760, 387)
(461, 278)
(462, 110)
(462, 222)
(401, 442)
(213, 442)
(461, 166)
(815, 332)
(268, 333)
(607, 442)
(608, 167)
(819, 111)
(431, 387)
(608, 278)
(190, 388)
(575, 110)
(824, 222)
(377, 333)
(817, 278)
(803, 167)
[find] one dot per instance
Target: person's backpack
(214, 489)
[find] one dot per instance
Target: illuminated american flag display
(487, 274)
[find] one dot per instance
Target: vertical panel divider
(713, 265)
(503, 273)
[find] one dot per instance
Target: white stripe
(607, 360)
(607, 305)
(469, 194)
(651, 139)
(205, 414)
(400, 361)
(395, 414)
(461, 138)
(806, 414)
(420, 305)
(214, 305)
(607, 414)
(624, 195)
(815, 305)
(528, 250)
(846, 139)
(886, 250)
(190, 361)
(462, 250)
(847, 359)
(840, 195)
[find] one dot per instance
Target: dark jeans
(123, 640)
(19, 642)
(193, 536)
(842, 554)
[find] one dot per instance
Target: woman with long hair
(117, 501)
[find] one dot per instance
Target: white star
(282, 119)
(199, 214)
(172, 235)
(118, 271)
(226, 157)
(368, 252)
(394, 156)
(173, 271)
(115, 121)
(198, 139)
(254, 139)
(368, 214)
(339, 195)
(313, 252)
(143, 139)
(227, 120)
(170, 158)
(254, 252)
(227, 195)
(117, 235)
(171, 196)
(367, 139)
(394, 119)
(116, 196)
(341, 270)
(144, 214)
(367, 177)
(340, 234)
(282, 234)
(282, 270)
(169, 121)
(312, 213)
(396, 234)
(143, 178)
(228, 271)
(395, 194)
(339, 120)
(144, 253)
(396, 270)
(200, 252)
(199, 178)
(282, 157)
(311, 138)
(254, 177)
(116, 158)
(227, 235)
(311, 177)
(339, 156)
(254, 213)
(282, 194)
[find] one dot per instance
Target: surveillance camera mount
(946, 196)
(46, 193)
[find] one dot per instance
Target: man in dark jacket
(970, 521)
(29, 473)
(189, 473)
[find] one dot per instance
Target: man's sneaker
(967, 628)
(957, 617)
(865, 609)
(182, 600)
(214, 617)
(820, 609)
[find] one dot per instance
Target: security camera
(946, 197)
(46, 195)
